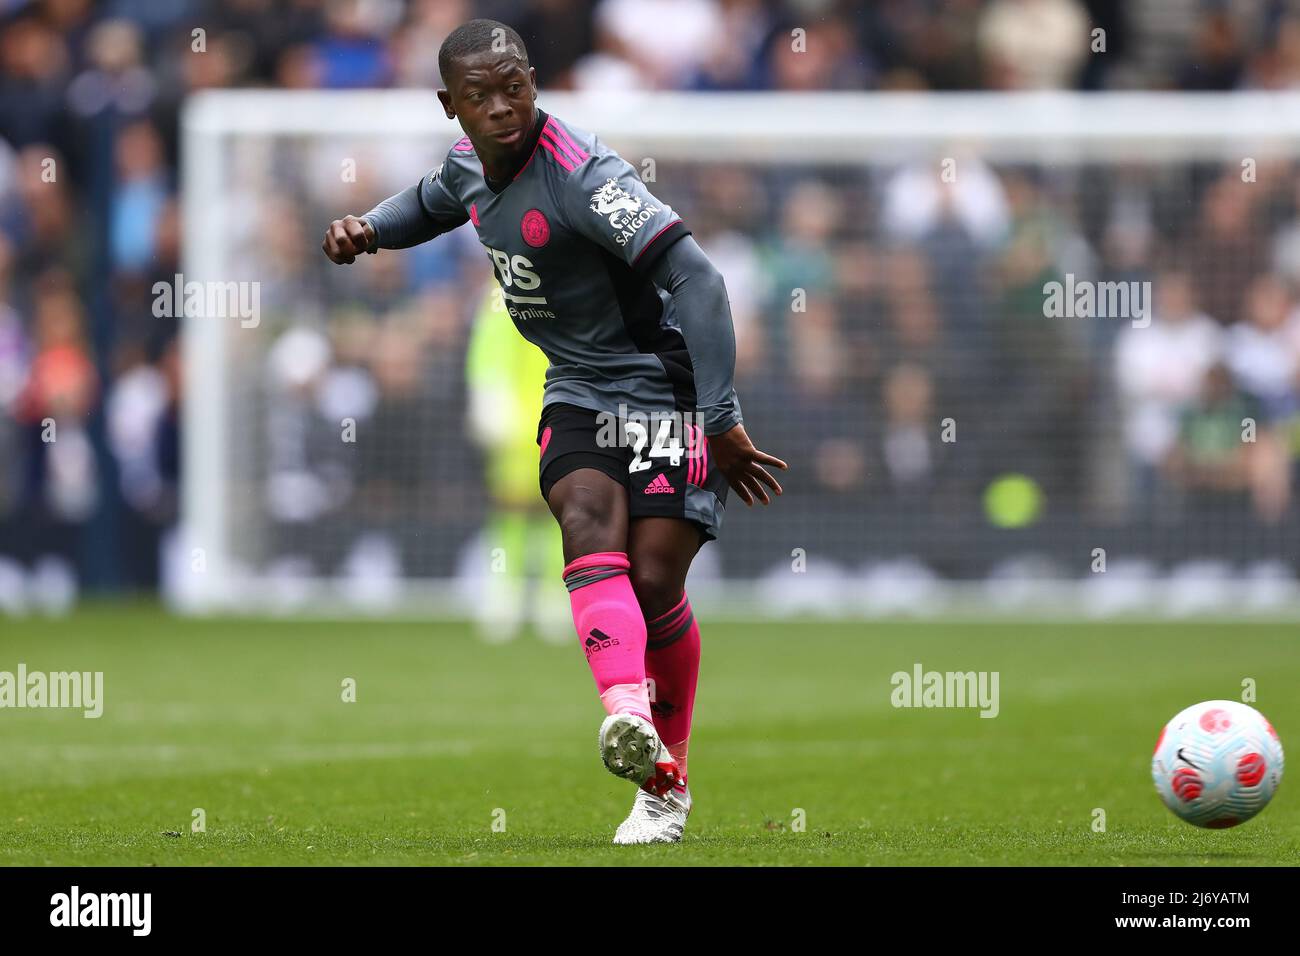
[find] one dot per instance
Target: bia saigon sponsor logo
(624, 211)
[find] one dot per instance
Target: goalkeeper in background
(505, 375)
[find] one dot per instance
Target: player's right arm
(415, 215)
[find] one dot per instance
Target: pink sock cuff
(668, 615)
(670, 627)
(615, 558)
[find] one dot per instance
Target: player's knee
(656, 586)
(586, 519)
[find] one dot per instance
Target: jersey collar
(525, 153)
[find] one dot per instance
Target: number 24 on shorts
(666, 445)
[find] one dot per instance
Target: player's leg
(591, 509)
(676, 503)
(661, 550)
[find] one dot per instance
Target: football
(1217, 763)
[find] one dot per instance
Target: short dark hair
(478, 36)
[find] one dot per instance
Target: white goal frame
(764, 127)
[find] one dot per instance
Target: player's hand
(742, 463)
(346, 239)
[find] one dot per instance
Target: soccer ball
(1217, 763)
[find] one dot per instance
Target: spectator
(140, 199)
(1217, 57)
(628, 28)
(60, 391)
(1228, 247)
(822, 57)
(34, 67)
(1160, 370)
(1220, 472)
(1033, 44)
(923, 198)
(558, 34)
(353, 52)
(733, 58)
(1263, 350)
(909, 443)
(1277, 65)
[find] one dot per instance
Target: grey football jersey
(572, 237)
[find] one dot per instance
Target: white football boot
(656, 819)
(632, 750)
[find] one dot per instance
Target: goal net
(1022, 352)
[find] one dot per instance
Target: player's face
(494, 97)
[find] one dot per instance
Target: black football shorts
(663, 463)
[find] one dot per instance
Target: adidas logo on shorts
(659, 486)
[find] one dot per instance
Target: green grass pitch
(449, 737)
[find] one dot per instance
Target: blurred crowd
(920, 299)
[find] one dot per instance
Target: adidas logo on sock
(599, 641)
(659, 486)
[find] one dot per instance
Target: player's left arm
(700, 301)
(607, 202)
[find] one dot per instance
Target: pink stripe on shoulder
(546, 145)
(464, 145)
(548, 136)
(563, 135)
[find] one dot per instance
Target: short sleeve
(606, 202)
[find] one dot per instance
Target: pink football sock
(672, 661)
(611, 629)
